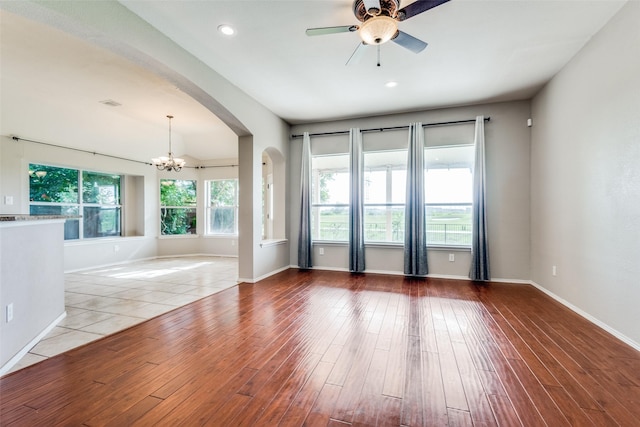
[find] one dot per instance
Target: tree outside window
(55, 191)
(178, 201)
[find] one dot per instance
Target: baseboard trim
(588, 317)
(15, 359)
(264, 276)
(131, 261)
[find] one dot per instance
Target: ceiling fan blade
(409, 42)
(418, 7)
(372, 4)
(331, 30)
(357, 54)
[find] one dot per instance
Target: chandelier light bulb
(168, 163)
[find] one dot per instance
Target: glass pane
(100, 188)
(384, 223)
(448, 177)
(449, 225)
(330, 179)
(375, 186)
(100, 221)
(385, 176)
(398, 186)
(51, 184)
(177, 221)
(222, 220)
(71, 226)
(222, 192)
(330, 223)
(177, 192)
(448, 186)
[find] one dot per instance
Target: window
(330, 197)
(222, 206)
(55, 191)
(101, 204)
(177, 206)
(385, 182)
(448, 194)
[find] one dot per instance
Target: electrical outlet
(554, 271)
(8, 200)
(321, 251)
(116, 248)
(9, 312)
(452, 257)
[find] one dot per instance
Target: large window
(448, 194)
(330, 197)
(222, 206)
(177, 206)
(385, 182)
(55, 191)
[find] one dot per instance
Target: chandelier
(169, 163)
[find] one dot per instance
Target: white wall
(507, 157)
(32, 282)
(113, 26)
(585, 155)
(16, 157)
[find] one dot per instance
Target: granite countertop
(28, 217)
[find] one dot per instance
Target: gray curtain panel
(356, 200)
(305, 247)
(415, 238)
(479, 247)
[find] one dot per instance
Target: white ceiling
(479, 51)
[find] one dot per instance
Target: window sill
(272, 242)
(393, 245)
(219, 236)
(100, 240)
(178, 236)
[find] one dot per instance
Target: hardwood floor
(329, 348)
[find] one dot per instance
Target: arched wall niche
(273, 194)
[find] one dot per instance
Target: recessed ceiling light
(226, 29)
(391, 84)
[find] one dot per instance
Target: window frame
(208, 207)
(79, 205)
(317, 206)
(192, 208)
(446, 243)
(389, 205)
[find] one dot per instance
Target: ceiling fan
(379, 24)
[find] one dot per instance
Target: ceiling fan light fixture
(378, 30)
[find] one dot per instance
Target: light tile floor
(102, 301)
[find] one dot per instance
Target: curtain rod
(346, 132)
(17, 139)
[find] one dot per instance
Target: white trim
(130, 261)
(103, 240)
(512, 281)
(588, 317)
(93, 267)
(22, 222)
(272, 242)
(192, 255)
(178, 236)
(264, 276)
(447, 276)
(15, 359)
